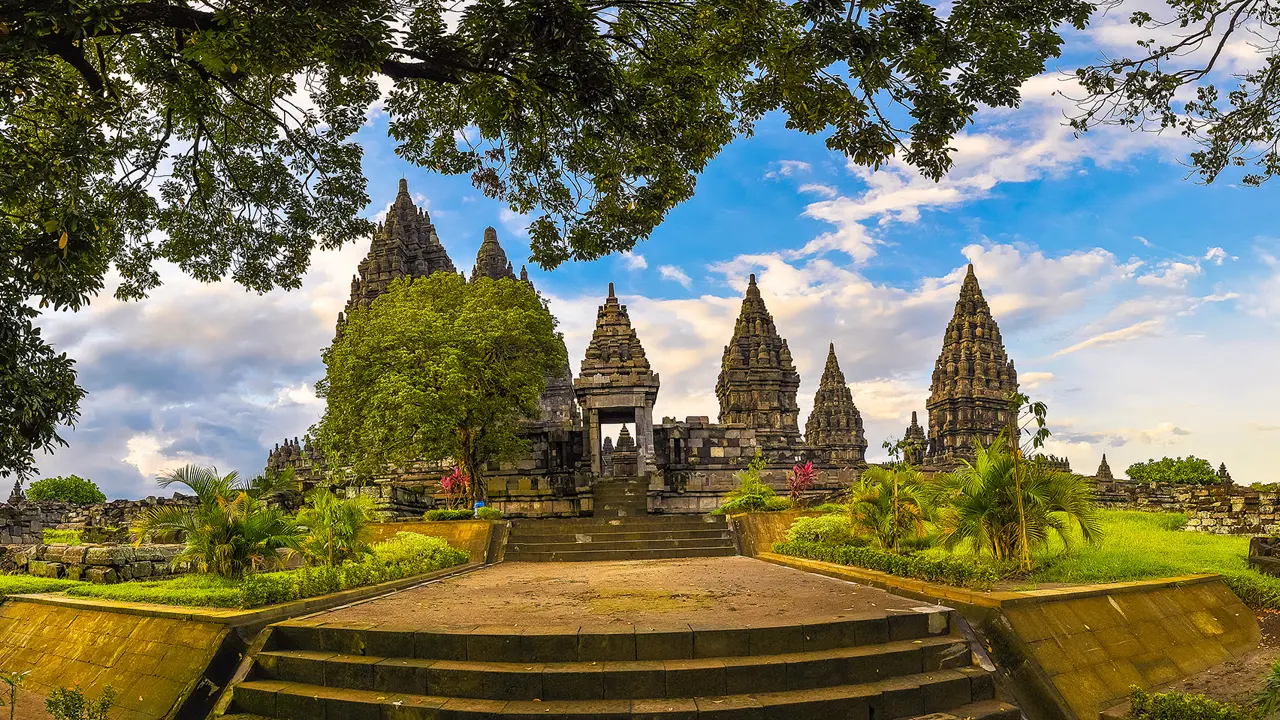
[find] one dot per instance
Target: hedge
(966, 572)
(402, 556)
(449, 515)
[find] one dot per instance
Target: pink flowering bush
(455, 486)
(800, 480)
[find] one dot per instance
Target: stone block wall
(105, 564)
(1218, 509)
(25, 523)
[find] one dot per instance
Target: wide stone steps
(873, 666)
(901, 697)
(643, 537)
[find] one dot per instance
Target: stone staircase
(620, 497)
(879, 666)
(642, 537)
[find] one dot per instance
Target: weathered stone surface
(140, 569)
(116, 555)
(835, 424)
(101, 575)
(73, 572)
(972, 379)
(44, 568)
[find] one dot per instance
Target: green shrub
(404, 555)
(64, 537)
(963, 572)
(1182, 706)
(64, 704)
(449, 515)
(337, 528)
(752, 493)
(489, 513)
(69, 489)
(830, 507)
(824, 529)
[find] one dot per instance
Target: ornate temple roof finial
(1104, 470)
(611, 295)
(404, 187)
(625, 441)
(914, 421)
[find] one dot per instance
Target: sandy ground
(1237, 680)
(733, 591)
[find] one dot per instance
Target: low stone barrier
(1219, 509)
(25, 522)
(104, 564)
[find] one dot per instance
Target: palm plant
(891, 505)
(337, 528)
(230, 531)
(1009, 508)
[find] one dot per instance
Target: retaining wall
(469, 535)
(25, 523)
(152, 663)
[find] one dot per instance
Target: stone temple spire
(972, 379)
(1104, 471)
(404, 245)
(915, 441)
(835, 423)
(491, 261)
(758, 381)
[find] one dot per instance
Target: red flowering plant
(455, 486)
(800, 480)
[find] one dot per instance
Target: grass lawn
(195, 590)
(25, 584)
(1141, 546)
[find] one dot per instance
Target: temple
(973, 379)
(687, 465)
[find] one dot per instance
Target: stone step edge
(971, 684)
(621, 555)
(643, 534)
(939, 642)
(981, 710)
(599, 544)
(609, 642)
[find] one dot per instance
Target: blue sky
(1142, 306)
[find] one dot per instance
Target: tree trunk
(471, 466)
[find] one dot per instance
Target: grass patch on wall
(26, 584)
(64, 537)
(196, 590)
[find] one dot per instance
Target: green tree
(438, 369)
(1177, 80)
(69, 489)
(891, 505)
(1009, 509)
(337, 528)
(219, 136)
(230, 531)
(1190, 470)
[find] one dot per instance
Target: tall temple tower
(758, 381)
(404, 245)
(972, 379)
(835, 425)
(1104, 471)
(616, 385)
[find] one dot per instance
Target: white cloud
(1171, 274)
(824, 190)
(675, 274)
(634, 261)
(1216, 255)
(1033, 380)
(787, 168)
(1145, 242)
(1145, 328)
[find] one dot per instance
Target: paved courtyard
(725, 591)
